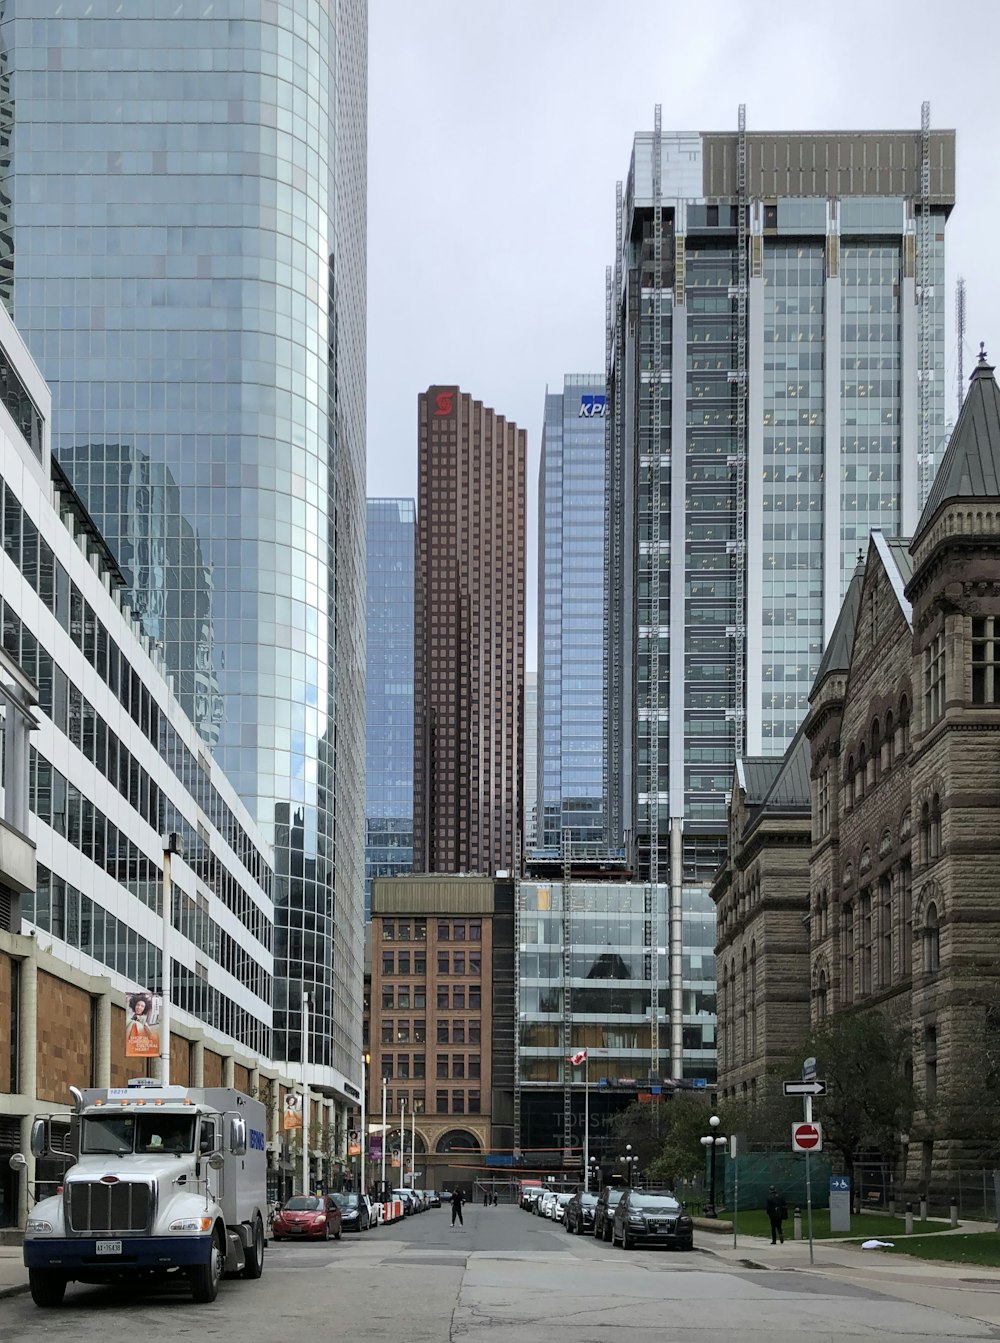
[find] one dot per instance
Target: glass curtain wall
(389, 779)
(186, 218)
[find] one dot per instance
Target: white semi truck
(168, 1182)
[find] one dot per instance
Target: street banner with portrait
(375, 1147)
(395, 1158)
(142, 1025)
(353, 1143)
(293, 1111)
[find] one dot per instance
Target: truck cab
(168, 1182)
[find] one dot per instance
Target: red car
(307, 1216)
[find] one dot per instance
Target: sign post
(807, 1137)
(840, 1203)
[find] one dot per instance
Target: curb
(13, 1291)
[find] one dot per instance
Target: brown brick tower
(469, 635)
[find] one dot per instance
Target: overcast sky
(497, 131)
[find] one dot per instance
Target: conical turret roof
(970, 468)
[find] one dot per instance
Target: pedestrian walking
(456, 1207)
(495, 1201)
(486, 1199)
(777, 1211)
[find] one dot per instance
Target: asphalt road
(505, 1277)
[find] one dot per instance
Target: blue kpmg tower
(389, 689)
(182, 243)
(571, 556)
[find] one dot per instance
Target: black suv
(579, 1215)
(605, 1211)
(645, 1217)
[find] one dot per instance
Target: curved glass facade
(186, 212)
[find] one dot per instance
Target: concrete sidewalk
(13, 1274)
(968, 1291)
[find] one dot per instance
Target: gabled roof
(790, 787)
(970, 468)
(837, 654)
(758, 772)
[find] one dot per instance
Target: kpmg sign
(593, 407)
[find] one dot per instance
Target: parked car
(529, 1197)
(308, 1216)
(433, 1198)
(355, 1211)
(605, 1211)
(410, 1199)
(579, 1218)
(650, 1218)
(546, 1203)
(559, 1208)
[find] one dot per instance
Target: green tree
(862, 1056)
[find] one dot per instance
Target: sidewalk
(969, 1291)
(13, 1274)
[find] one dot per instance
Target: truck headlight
(196, 1224)
(38, 1226)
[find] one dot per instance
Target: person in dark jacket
(777, 1211)
(456, 1207)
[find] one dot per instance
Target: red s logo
(443, 402)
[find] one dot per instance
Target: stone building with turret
(896, 899)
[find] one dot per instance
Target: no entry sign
(807, 1138)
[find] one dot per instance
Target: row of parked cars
(327, 1216)
(625, 1217)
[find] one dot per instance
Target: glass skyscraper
(182, 231)
(389, 777)
(775, 328)
(572, 503)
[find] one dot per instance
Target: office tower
(789, 289)
(389, 687)
(468, 754)
(571, 527)
(530, 760)
(185, 212)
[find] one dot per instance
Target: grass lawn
(754, 1222)
(983, 1248)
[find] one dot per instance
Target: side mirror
(237, 1136)
(18, 1161)
(216, 1161)
(40, 1140)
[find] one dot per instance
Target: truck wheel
(205, 1277)
(254, 1256)
(48, 1286)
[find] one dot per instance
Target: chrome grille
(114, 1208)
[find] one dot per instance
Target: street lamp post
(630, 1162)
(712, 1140)
(593, 1173)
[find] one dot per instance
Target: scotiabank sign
(443, 403)
(593, 407)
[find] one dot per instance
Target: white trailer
(168, 1182)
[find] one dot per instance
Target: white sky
(497, 131)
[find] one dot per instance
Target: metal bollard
(797, 1225)
(923, 1207)
(909, 1219)
(954, 1212)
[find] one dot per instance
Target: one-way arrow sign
(814, 1088)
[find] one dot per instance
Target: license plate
(109, 1247)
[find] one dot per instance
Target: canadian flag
(577, 1058)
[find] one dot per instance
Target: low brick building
(433, 982)
(902, 910)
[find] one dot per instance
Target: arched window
(876, 748)
(904, 725)
(744, 1006)
(932, 940)
(889, 744)
(925, 833)
(850, 781)
(753, 999)
(935, 827)
(459, 1140)
(847, 952)
(821, 993)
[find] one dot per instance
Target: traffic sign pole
(808, 1102)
